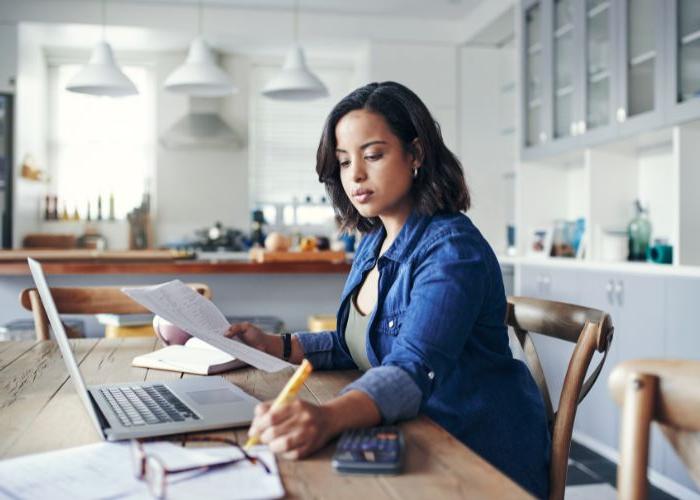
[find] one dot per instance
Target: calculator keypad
(376, 445)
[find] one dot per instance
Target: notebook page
(179, 304)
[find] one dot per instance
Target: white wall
(430, 70)
(196, 187)
(486, 153)
(30, 131)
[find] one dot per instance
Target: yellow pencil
(288, 393)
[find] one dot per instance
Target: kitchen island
(290, 291)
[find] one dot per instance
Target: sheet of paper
(105, 470)
(179, 304)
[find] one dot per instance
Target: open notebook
(196, 356)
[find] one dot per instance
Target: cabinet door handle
(621, 114)
(619, 292)
(609, 288)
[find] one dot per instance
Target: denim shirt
(438, 344)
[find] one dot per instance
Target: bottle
(88, 216)
(76, 215)
(54, 208)
(64, 212)
(47, 207)
(639, 234)
(111, 206)
(99, 207)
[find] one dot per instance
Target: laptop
(146, 409)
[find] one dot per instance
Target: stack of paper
(105, 470)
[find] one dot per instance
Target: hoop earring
(415, 172)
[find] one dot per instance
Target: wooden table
(40, 411)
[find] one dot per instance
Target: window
(101, 146)
(284, 137)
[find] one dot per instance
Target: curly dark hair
(440, 185)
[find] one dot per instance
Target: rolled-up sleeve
(318, 348)
(393, 391)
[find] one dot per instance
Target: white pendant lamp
(101, 76)
(295, 82)
(200, 76)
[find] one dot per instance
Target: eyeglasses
(150, 468)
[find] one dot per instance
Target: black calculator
(373, 450)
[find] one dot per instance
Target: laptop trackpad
(214, 396)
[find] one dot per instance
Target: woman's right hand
(253, 336)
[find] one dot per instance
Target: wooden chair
(668, 392)
(590, 330)
(86, 300)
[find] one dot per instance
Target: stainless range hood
(202, 127)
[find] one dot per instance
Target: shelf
(598, 9)
(567, 28)
(598, 76)
(642, 58)
(690, 37)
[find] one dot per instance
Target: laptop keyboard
(155, 404)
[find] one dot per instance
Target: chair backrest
(665, 391)
(86, 300)
(591, 330)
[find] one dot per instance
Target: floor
(593, 476)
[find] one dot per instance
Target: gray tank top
(356, 335)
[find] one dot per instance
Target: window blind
(284, 137)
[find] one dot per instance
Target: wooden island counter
(81, 262)
(291, 291)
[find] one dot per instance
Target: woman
(422, 312)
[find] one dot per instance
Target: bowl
(168, 333)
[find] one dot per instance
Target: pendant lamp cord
(199, 17)
(296, 21)
(104, 18)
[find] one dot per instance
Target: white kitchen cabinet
(597, 416)
(551, 284)
(654, 317)
(683, 342)
(636, 305)
(546, 282)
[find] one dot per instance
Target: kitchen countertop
(67, 262)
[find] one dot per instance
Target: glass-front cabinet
(640, 77)
(683, 54)
(564, 64)
(599, 65)
(534, 76)
(594, 69)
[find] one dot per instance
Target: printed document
(182, 306)
(105, 470)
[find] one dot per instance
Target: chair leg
(41, 322)
(637, 412)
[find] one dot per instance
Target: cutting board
(261, 255)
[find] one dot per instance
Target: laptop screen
(62, 339)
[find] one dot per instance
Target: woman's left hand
(294, 430)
